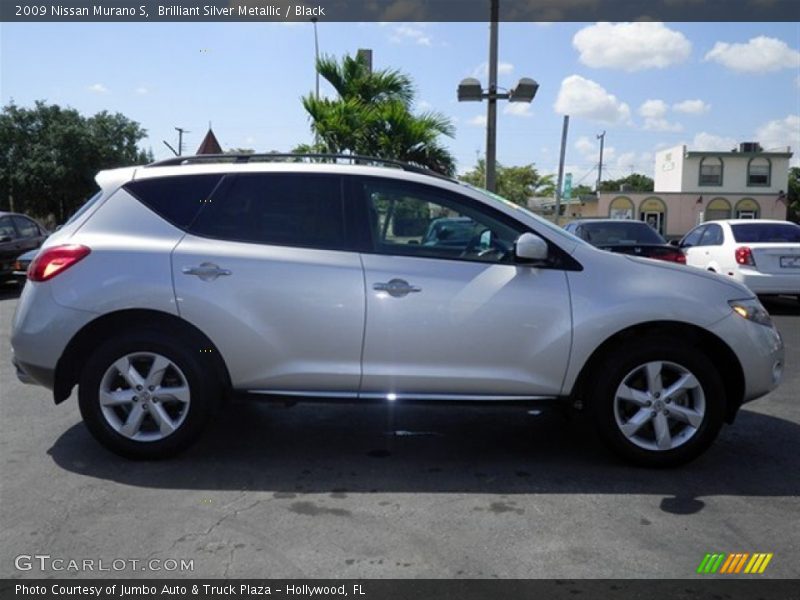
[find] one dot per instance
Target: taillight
(52, 261)
(744, 256)
(675, 256)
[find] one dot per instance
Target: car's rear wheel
(146, 395)
(659, 402)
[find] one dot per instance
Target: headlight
(752, 310)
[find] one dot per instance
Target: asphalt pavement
(322, 491)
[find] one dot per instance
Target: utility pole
(564, 131)
(602, 138)
(491, 110)
(181, 131)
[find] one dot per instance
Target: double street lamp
(470, 90)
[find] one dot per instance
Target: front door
(655, 220)
(449, 313)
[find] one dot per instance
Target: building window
(711, 170)
(758, 172)
(747, 208)
(718, 208)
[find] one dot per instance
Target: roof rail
(275, 156)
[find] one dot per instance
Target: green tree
(372, 116)
(636, 181)
(49, 156)
(793, 194)
(517, 184)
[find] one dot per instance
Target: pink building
(692, 187)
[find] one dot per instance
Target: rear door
(267, 272)
(447, 319)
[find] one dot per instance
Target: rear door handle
(206, 271)
(397, 288)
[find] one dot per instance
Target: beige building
(692, 187)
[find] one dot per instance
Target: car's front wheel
(146, 395)
(659, 402)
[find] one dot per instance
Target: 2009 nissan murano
(184, 281)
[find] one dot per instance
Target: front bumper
(759, 350)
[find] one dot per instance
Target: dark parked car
(18, 234)
(627, 237)
(20, 266)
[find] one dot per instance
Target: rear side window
(26, 227)
(176, 199)
(277, 209)
(754, 233)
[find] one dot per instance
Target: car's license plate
(790, 262)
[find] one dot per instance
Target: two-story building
(693, 186)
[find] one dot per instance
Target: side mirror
(530, 246)
(676, 243)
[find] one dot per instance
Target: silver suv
(187, 281)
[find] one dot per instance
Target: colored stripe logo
(735, 563)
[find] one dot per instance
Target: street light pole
(316, 57)
(491, 110)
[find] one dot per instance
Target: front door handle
(206, 271)
(397, 288)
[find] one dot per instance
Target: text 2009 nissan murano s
(189, 279)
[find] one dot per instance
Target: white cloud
(482, 70)
(518, 109)
(142, 90)
(98, 88)
(761, 54)
(631, 46)
(692, 107)
(410, 33)
(581, 97)
(478, 121)
(584, 145)
(424, 105)
(653, 109)
(654, 113)
(780, 133)
(710, 141)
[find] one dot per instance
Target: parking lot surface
(322, 491)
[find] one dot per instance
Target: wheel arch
(79, 348)
(718, 352)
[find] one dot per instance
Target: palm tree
(372, 117)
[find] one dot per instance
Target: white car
(763, 255)
(189, 281)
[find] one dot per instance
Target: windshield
(551, 227)
(620, 232)
(755, 233)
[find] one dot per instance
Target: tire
(159, 407)
(672, 429)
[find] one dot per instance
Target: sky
(647, 85)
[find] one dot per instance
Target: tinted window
(420, 221)
(766, 232)
(26, 227)
(712, 236)
(281, 209)
(176, 199)
(7, 228)
(620, 232)
(693, 237)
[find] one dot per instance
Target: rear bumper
(769, 283)
(34, 375)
